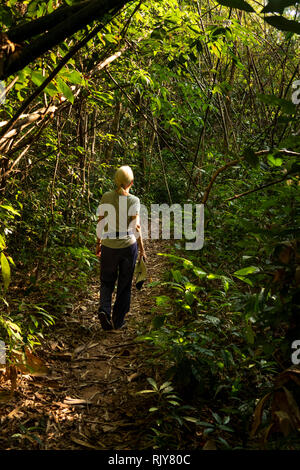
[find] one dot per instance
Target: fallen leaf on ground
(5, 397)
(84, 443)
(76, 401)
(133, 376)
(109, 428)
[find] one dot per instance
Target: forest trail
(85, 388)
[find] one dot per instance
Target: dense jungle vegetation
(201, 98)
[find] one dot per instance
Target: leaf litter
(80, 387)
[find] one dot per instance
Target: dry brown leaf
(54, 345)
(268, 431)
(84, 443)
(133, 376)
(258, 414)
(293, 407)
(292, 373)
(35, 365)
(109, 428)
(62, 356)
(28, 363)
(16, 413)
(284, 422)
(76, 401)
(5, 396)
(79, 349)
(284, 401)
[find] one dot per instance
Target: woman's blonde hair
(123, 178)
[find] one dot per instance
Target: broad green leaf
(176, 274)
(217, 417)
(226, 428)
(162, 300)
(5, 268)
(74, 77)
(37, 77)
(199, 272)
(193, 420)
(213, 276)
(186, 262)
(219, 31)
(51, 89)
(65, 90)
(173, 402)
(203, 423)
(240, 4)
(152, 382)
(243, 273)
(246, 271)
(165, 385)
(275, 161)
(281, 23)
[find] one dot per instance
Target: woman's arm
(137, 227)
(98, 245)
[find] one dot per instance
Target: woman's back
(118, 214)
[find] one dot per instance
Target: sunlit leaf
(65, 90)
(5, 269)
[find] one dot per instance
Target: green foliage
(221, 335)
(223, 325)
(166, 412)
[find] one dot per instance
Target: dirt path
(87, 396)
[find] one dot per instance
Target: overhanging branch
(75, 21)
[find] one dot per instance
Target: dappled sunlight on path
(88, 391)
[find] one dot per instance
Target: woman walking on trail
(117, 247)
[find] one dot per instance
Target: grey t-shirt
(117, 211)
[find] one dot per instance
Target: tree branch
(234, 162)
(93, 10)
(208, 189)
(258, 189)
(32, 28)
(38, 90)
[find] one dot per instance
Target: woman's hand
(142, 255)
(98, 249)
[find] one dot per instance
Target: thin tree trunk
(114, 129)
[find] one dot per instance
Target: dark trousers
(117, 264)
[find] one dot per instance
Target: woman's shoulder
(133, 198)
(107, 195)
